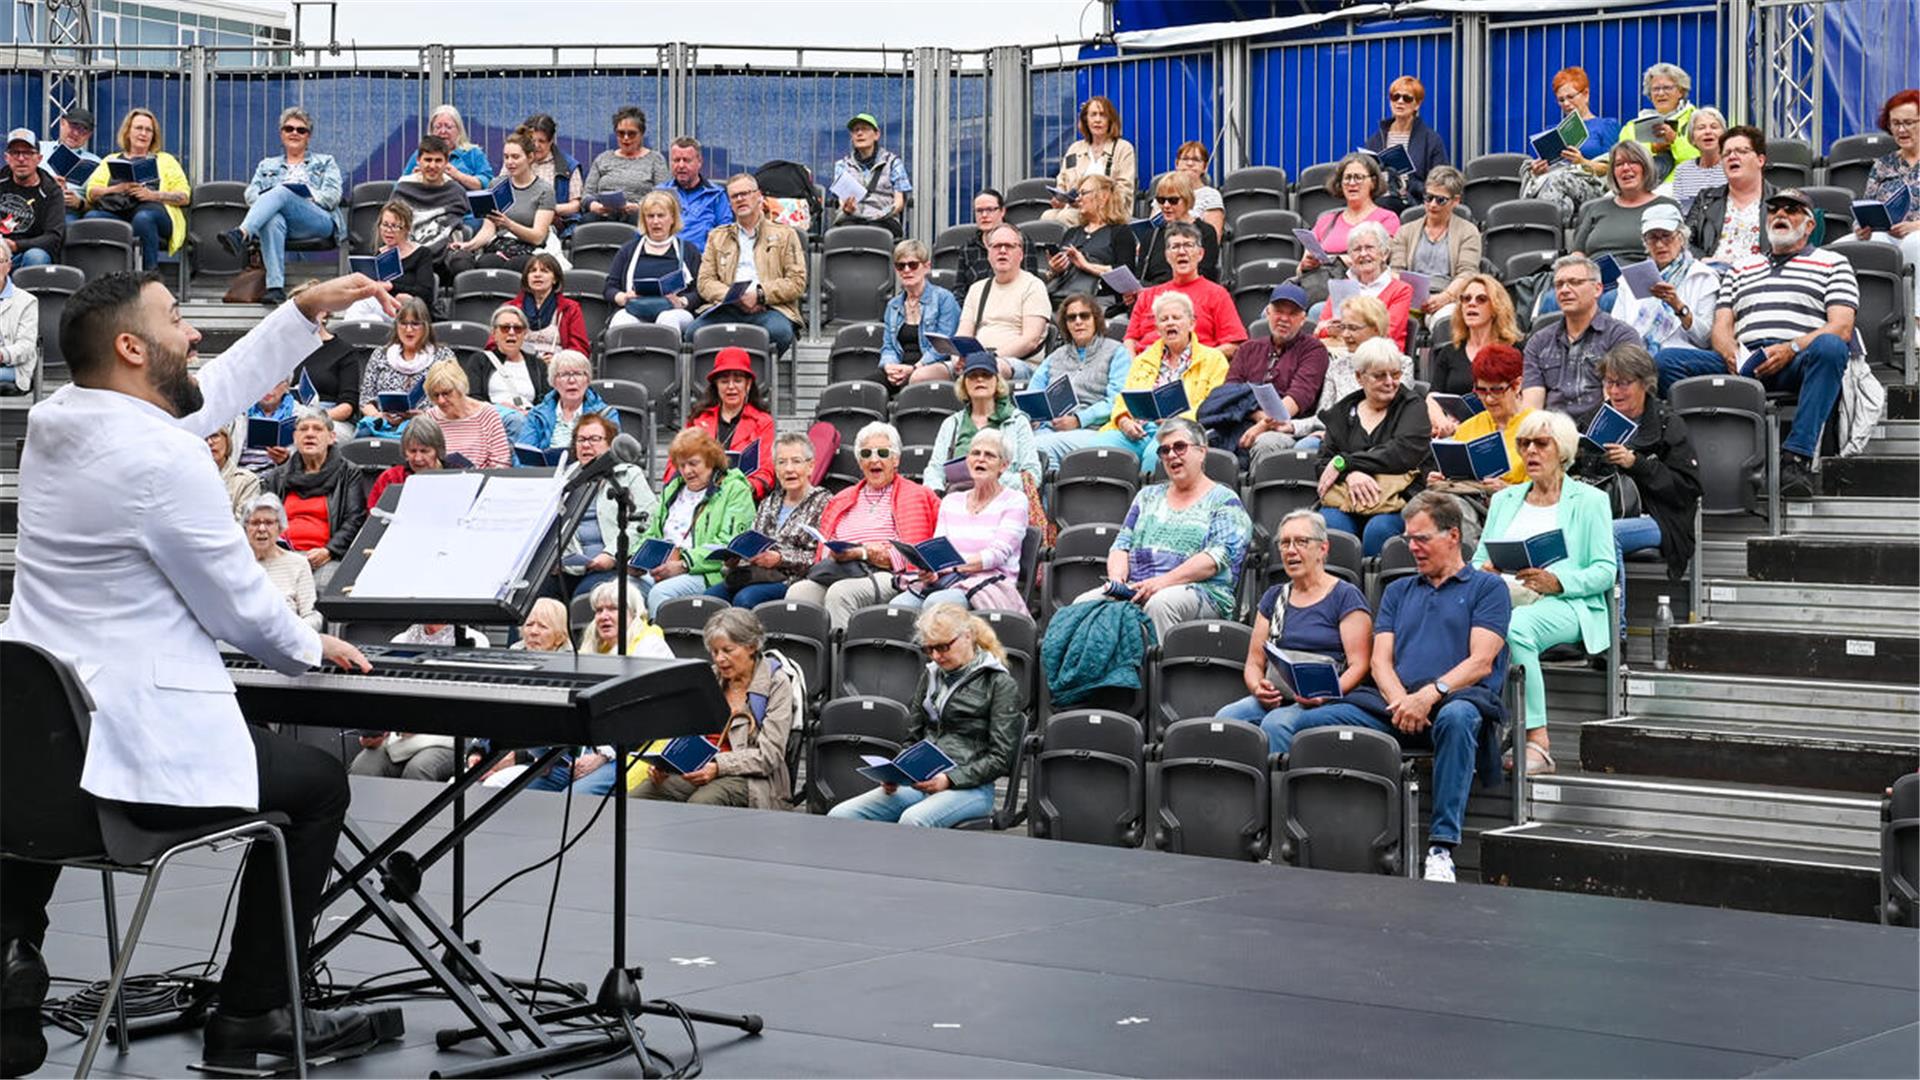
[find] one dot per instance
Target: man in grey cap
(1785, 318)
(33, 227)
(1678, 310)
(76, 131)
(1288, 359)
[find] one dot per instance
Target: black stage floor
(876, 950)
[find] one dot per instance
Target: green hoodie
(724, 512)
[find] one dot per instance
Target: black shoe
(1796, 477)
(274, 297)
(23, 1048)
(237, 1042)
(235, 242)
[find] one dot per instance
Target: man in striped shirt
(1786, 319)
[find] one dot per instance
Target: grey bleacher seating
(1394, 562)
(914, 459)
(594, 244)
(1221, 467)
(476, 293)
(100, 246)
(1094, 484)
(1197, 670)
(1020, 638)
(579, 616)
(847, 729)
(51, 285)
(632, 409)
(1851, 158)
(1030, 547)
(1043, 237)
(1310, 195)
(363, 333)
(843, 471)
(1344, 800)
(1491, 179)
(1789, 163)
(1078, 562)
(1516, 226)
(1088, 779)
(583, 287)
(856, 272)
(850, 406)
(371, 455)
(705, 347)
(1259, 235)
(218, 205)
(1253, 284)
(804, 634)
(855, 353)
(1213, 789)
(1250, 190)
(920, 408)
(948, 244)
(461, 335)
(1027, 199)
(1280, 483)
(1900, 853)
(363, 214)
(1886, 292)
(1726, 418)
(648, 354)
(878, 655)
(683, 620)
(1835, 207)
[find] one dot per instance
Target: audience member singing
(704, 205)
(1679, 311)
(1728, 223)
(1690, 178)
(1176, 354)
(1575, 177)
(1291, 361)
(1366, 260)
(423, 448)
(1563, 357)
(550, 163)
(75, 131)
(1173, 194)
(324, 495)
(631, 168)
(1375, 442)
(704, 505)
(1900, 168)
(1006, 312)
(437, 198)
(550, 423)
(986, 404)
(592, 552)
(1496, 383)
(554, 321)
(507, 239)
(987, 524)
(265, 519)
(786, 516)
(1663, 131)
(884, 506)
(733, 410)
(1098, 245)
(989, 210)
(473, 429)
(399, 366)
(1192, 158)
(243, 485)
(154, 212)
(640, 278)
(1484, 317)
(1441, 244)
(1215, 320)
(1658, 459)
(1359, 181)
(1095, 366)
(505, 374)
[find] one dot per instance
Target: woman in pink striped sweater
(472, 428)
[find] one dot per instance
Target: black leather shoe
(23, 1048)
(274, 297)
(238, 1042)
(1796, 477)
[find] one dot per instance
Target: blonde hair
(1506, 324)
(952, 619)
(552, 614)
(1115, 213)
(447, 375)
(126, 129)
(1367, 309)
(653, 199)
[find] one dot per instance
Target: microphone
(591, 473)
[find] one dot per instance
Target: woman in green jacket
(701, 510)
(1567, 601)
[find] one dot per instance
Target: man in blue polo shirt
(1439, 659)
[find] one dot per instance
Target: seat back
(1310, 195)
(1030, 546)
(683, 620)
(920, 408)
(855, 353)
(648, 354)
(363, 333)
(363, 214)
(218, 205)
(595, 243)
(1043, 236)
(51, 285)
(43, 747)
(587, 288)
(372, 455)
(1213, 790)
(1252, 190)
(848, 728)
(842, 472)
(1835, 207)
(1492, 179)
(1726, 419)
(1850, 160)
(461, 334)
(99, 246)
(878, 654)
(948, 245)
(1020, 637)
(1279, 484)
(804, 634)
(1197, 670)
(1790, 162)
(477, 292)
(1884, 296)
(1341, 802)
(1095, 484)
(850, 406)
(856, 272)
(1027, 200)
(1079, 562)
(1396, 562)
(1900, 853)
(709, 340)
(1088, 779)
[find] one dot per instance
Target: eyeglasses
(1079, 316)
(1424, 538)
(23, 152)
(1537, 442)
(595, 439)
(1609, 380)
(934, 648)
(509, 328)
(570, 375)
(978, 210)
(1174, 449)
(1743, 150)
(1003, 246)
(413, 323)
(1357, 178)
(626, 133)
(1484, 390)
(1401, 97)
(1439, 200)
(1571, 283)
(294, 129)
(992, 454)
(742, 196)
(1168, 200)
(1287, 543)
(1182, 245)
(1354, 327)
(1904, 124)
(908, 265)
(1658, 236)
(1476, 298)
(868, 452)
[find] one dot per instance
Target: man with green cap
(870, 184)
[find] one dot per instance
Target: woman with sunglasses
(1094, 364)
(1173, 194)
(1403, 127)
(398, 367)
(918, 308)
(1094, 247)
(630, 168)
(1440, 244)
(883, 507)
(1375, 442)
(967, 705)
(1484, 317)
(1099, 151)
(1358, 180)
(1565, 602)
(1496, 373)
(1179, 551)
(278, 213)
(505, 374)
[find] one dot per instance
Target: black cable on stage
(560, 866)
(525, 870)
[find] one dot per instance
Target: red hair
(1411, 85)
(1575, 76)
(1904, 97)
(1498, 364)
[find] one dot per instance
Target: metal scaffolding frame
(1786, 46)
(67, 25)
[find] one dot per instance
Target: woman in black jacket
(1373, 449)
(325, 496)
(1658, 458)
(1423, 144)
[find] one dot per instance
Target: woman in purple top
(1312, 615)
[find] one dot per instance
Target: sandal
(1539, 761)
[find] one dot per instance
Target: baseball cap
(24, 135)
(980, 361)
(1662, 217)
(1790, 195)
(80, 116)
(864, 118)
(1291, 293)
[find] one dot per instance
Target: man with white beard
(1786, 319)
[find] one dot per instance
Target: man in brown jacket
(762, 259)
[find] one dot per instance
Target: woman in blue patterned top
(1178, 554)
(1900, 117)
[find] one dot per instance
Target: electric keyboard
(509, 696)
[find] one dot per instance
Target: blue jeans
(589, 582)
(1279, 722)
(1454, 737)
(679, 585)
(513, 420)
(1630, 534)
(596, 783)
(151, 225)
(32, 257)
(278, 216)
(910, 807)
(1374, 530)
(749, 596)
(1813, 375)
(779, 328)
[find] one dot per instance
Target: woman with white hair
(1566, 601)
(1662, 130)
(550, 423)
(883, 507)
(466, 163)
(987, 524)
(1690, 178)
(1366, 260)
(1375, 442)
(1177, 356)
(592, 773)
(265, 519)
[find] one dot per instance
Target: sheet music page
(460, 536)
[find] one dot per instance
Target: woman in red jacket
(884, 506)
(554, 322)
(732, 413)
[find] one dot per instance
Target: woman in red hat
(731, 412)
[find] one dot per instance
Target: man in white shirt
(130, 568)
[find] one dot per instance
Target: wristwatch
(1441, 685)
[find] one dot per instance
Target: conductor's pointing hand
(340, 293)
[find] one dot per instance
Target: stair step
(1789, 704)
(1870, 474)
(1878, 656)
(1861, 760)
(1680, 869)
(1814, 604)
(1723, 558)
(1895, 438)
(1903, 402)
(1857, 561)
(1851, 517)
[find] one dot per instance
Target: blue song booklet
(1150, 405)
(1538, 551)
(1478, 459)
(916, 764)
(1303, 678)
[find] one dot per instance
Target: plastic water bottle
(1662, 626)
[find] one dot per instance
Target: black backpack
(792, 183)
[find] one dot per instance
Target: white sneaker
(1440, 865)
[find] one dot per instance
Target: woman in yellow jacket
(153, 212)
(1177, 355)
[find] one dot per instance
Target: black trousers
(305, 783)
